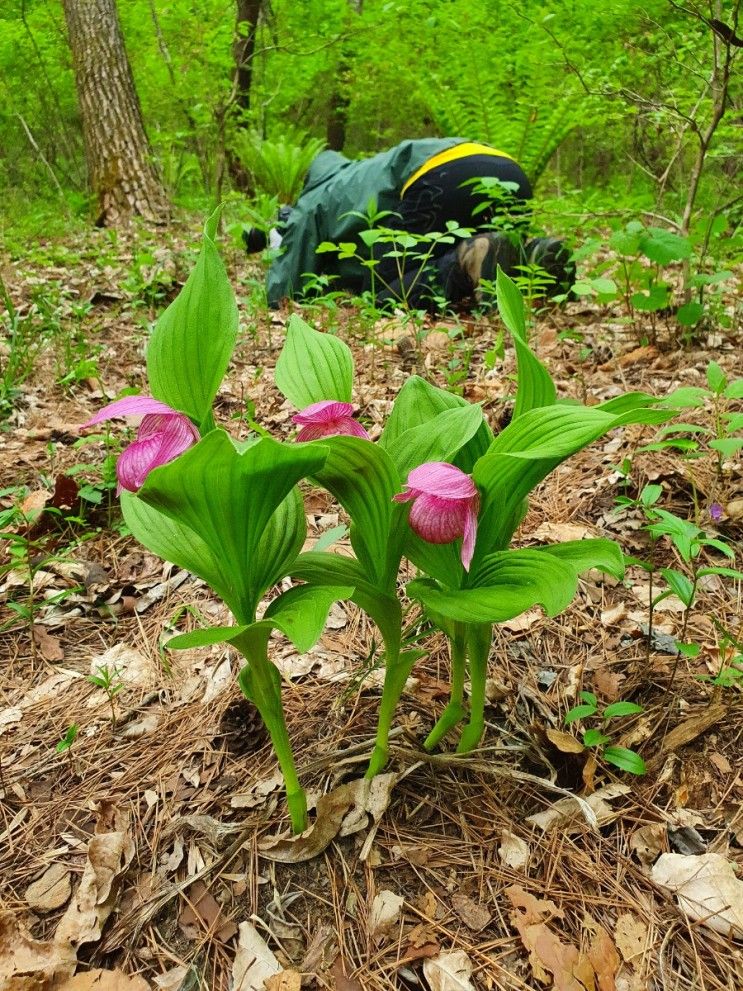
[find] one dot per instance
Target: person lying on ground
(419, 187)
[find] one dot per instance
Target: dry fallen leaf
(559, 532)
(553, 961)
(287, 980)
(567, 811)
(51, 890)
(566, 743)
(254, 962)
(513, 851)
(109, 855)
(27, 963)
(631, 936)
(342, 812)
(450, 971)
(172, 979)
(706, 889)
(385, 911)
(104, 980)
(474, 915)
(9, 717)
(132, 668)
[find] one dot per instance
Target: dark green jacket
(336, 187)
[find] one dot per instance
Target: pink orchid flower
(445, 506)
(164, 433)
(328, 418)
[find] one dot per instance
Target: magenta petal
(440, 479)
(136, 462)
(470, 536)
(439, 521)
(175, 433)
(326, 411)
(130, 406)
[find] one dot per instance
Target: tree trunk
(335, 132)
(121, 172)
(243, 49)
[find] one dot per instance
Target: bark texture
(243, 50)
(120, 168)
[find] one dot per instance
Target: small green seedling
(108, 679)
(596, 738)
(70, 735)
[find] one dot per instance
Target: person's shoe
(554, 256)
(478, 259)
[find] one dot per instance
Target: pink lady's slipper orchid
(445, 506)
(164, 433)
(328, 418)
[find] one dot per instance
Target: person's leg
(428, 273)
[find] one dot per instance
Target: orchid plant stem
(454, 711)
(479, 639)
(395, 676)
(261, 683)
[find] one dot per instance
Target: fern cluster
(277, 167)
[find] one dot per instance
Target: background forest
(608, 104)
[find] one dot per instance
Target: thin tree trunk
(335, 132)
(121, 172)
(243, 50)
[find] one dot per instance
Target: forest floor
(146, 845)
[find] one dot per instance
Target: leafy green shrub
(278, 167)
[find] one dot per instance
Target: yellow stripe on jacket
(451, 155)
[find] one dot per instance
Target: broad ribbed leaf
(438, 440)
(228, 498)
(313, 366)
(417, 404)
(363, 479)
(333, 569)
(204, 638)
(535, 385)
(193, 340)
(509, 583)
(173, 541)
(582, 555)
(300, 613)
(526, 451)
(281, 541)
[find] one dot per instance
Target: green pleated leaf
(535, 385)
(510, 582)
(281, 541)
(301, 613)
(526, 451)
(174, 541)
(438, 440)
(419, 403)
(228, 498)
(582, 555)
(328, 569)
(204, 638)
(363, 479)
(313, 366)
(193, 340)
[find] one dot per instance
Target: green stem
(454, 711)
(260, 682)
(396, 674)
(479, 639)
